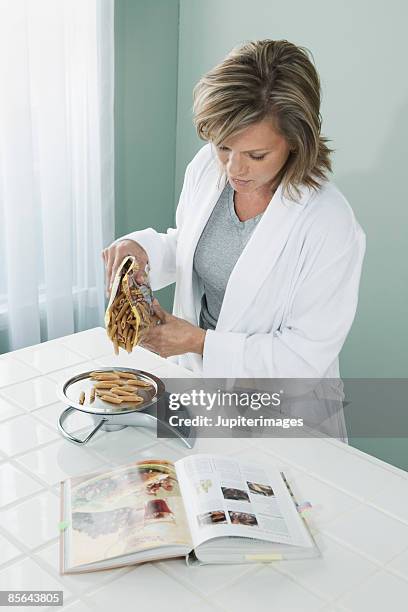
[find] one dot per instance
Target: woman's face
(255, 156)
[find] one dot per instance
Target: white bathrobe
(292, 295)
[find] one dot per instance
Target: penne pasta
(137, 383)
(131, 398)
(115, 386)
(122, 312)
(105, 376)
(100, 372)
(126, 374)
(112, 331)
(123, 323)
(133, 401)
(116, 301)
(129, 388)
(126, 331)
(81, 397)
(111, 399)
(105, 384)
(130, 311)
(121, 391)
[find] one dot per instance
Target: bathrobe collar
(257, 259)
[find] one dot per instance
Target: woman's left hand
(174, 336)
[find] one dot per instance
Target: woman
(266, 253)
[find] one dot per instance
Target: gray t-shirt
(218, 249)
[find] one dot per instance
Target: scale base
(109, 427)
(145, 418)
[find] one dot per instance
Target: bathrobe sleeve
(161, 247)
(320, 314)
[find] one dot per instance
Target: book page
(126, 510)
(226, 497)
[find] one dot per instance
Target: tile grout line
(24, 550)
(381, 565)
(40, 374)
(370, 458)
(32, 554)
(31, 349)
(96, 455)
(77, 591)
(191, 589)
(378, 567)
(44, 423)
(25, 553)
(337, 601)
(27, 410)
(45, 485)
(392, 469)
(395, 572)
(250, 571)
(353, 496)
(326, 600)
(361, 499)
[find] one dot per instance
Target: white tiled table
(359, 514)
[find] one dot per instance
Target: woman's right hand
(113, 256)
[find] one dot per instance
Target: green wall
(146, 64)
(359, 50)
(162, 49)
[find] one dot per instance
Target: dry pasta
(115, 387)
(137, 383)
(130, 310)
(111, 399)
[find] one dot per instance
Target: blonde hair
(261, 79)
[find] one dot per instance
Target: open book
(208, 508)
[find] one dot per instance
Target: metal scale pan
(111, 417)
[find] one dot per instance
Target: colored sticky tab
(63, 525)
(304, 506)
(263, 558)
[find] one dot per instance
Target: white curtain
(56, 165)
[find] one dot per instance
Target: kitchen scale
(112, 417)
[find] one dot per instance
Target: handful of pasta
(130, 310)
